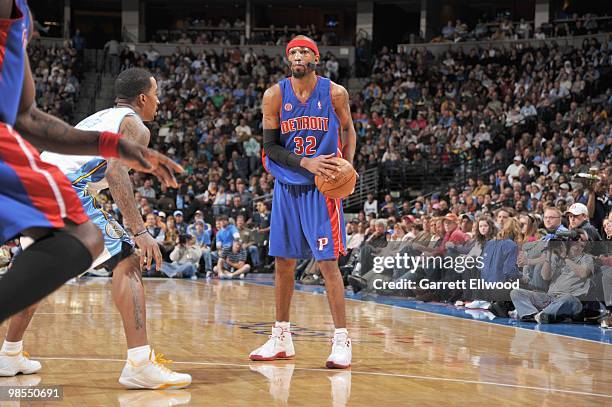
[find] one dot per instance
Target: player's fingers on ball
(328, 174)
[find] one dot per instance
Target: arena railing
(442, 47)
(367, 183)
(409, 178)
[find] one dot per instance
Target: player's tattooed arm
(341, 103)
(117, 175)
(122, 191)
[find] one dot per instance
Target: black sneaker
(357, 283)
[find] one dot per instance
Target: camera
(568, 235)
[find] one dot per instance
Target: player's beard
(310, 67)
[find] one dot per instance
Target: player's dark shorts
(32, 193)
(305, 223)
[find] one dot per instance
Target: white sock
(12, 347)
(340, 331)
(285, 325)
(139, 355)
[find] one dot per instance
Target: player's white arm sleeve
(276, 152)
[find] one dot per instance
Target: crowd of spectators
(200, 31)
(226, 33)
(57, 72)
(532, 119)
(504, 28)
(480, 105)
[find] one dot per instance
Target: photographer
(185, 258)
(569, 270)
(530, 257)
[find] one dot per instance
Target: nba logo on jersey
(322, 242)
(319, 105)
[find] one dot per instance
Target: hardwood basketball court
(400, 356)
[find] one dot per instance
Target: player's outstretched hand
(323, 165)
(149, 251)
(144, 159)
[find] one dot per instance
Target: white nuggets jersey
(83, 170)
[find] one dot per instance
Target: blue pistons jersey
(304, 222)
(309, 129)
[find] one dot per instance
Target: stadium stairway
(96, 87)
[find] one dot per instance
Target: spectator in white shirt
(513, 170)
(147, 191)
(528, 109)
(370, 205)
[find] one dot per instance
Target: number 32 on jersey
(306, 145)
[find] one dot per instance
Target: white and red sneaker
(278, 346)
(342, 353)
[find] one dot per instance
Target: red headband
(302, 43)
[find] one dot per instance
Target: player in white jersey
(137, 100)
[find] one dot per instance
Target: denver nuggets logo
(114, 230)
(288, 107)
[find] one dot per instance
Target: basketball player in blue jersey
(137, 101)
(307, 121)
(37, 200)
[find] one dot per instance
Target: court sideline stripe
(383, 374)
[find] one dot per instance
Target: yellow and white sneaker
(152, 375)
(12, 364)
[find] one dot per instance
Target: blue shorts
(305, 224)
(114, 234)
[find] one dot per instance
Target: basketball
(342, 186)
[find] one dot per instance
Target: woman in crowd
(529, 228)
(499, 263)
(485, 232)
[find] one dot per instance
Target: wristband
(142, 232)
(108, 144)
